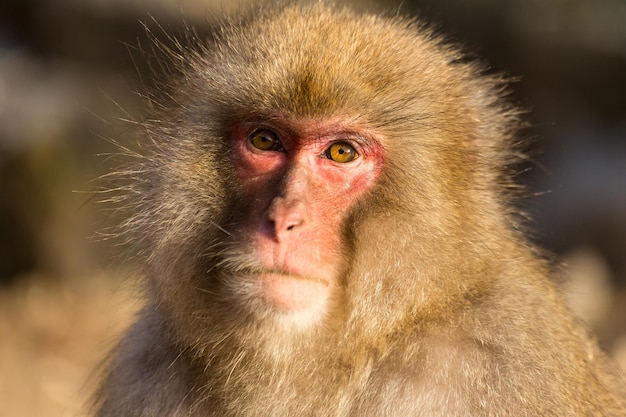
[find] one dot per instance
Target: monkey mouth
(286, 292)
(251, 272)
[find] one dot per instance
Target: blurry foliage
(24, 208)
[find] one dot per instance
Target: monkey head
(306, 176)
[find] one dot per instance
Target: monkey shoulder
(535, 357)
(148, 375)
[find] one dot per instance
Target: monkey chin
(290, 293)
(290, 299)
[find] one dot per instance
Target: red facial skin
(298, 198)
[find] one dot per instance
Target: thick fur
(444, 309)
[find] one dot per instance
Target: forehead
(318, 62)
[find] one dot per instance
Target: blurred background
(67, 72)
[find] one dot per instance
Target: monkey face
(299, 180)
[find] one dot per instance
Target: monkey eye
(265, 140)
(341, 152)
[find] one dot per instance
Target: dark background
(67, 69)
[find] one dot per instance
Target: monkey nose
(285, 215)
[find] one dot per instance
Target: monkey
(323, 206)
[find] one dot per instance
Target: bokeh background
(67, 72)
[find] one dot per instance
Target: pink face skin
(298, 198)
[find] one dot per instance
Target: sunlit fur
(441, 307)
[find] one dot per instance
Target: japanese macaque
(323, 204)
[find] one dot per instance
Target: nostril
(285, 215)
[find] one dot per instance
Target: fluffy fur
(443, 309)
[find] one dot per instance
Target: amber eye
(265, 140)
(341, 152)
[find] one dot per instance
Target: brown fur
(444, 310)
